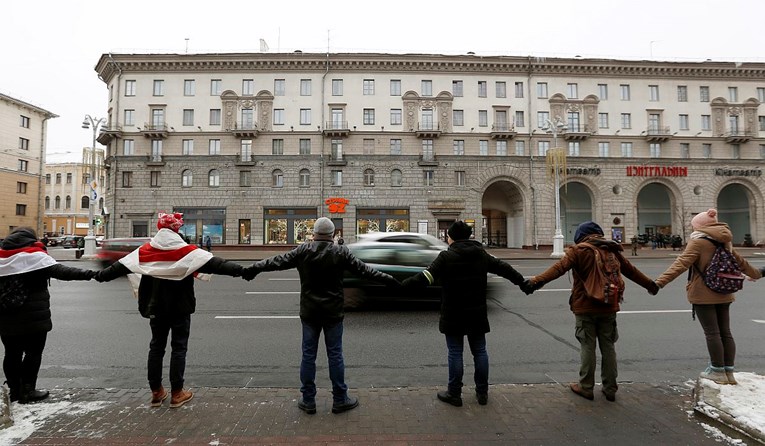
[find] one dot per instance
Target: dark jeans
(333, 340)
(178, 326)
(455, 346)
(592, 330)
(715, 321)
(23, 356)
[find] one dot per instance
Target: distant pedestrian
(462, 271)
(208, 243)
(25, 319)
(634, 241)
(321, 264)
(712, 308)
(595, 319)
(167, 266)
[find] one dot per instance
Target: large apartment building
(253, 147)
(23, 134)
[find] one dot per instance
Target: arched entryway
(575, 208)
(734, 207)
(655, 210)
(502, 210)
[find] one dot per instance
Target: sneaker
(349, 403)
(609, 396)
(447, 397)
(158, 396)
(716, 374)
(483, 398)
(309, 408)
(180, 397)
(576, 388)
(729, 374)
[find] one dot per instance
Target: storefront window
(364, 226)
(304, 230)
(387, 220)
(396, 225)
(244, 231)
(288, 226)
(276, 231)
(200, 223)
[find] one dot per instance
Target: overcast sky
(48, 48)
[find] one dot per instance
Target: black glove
(528, 287)
(653, 289)
(250, 272)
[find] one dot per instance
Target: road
(248, 334)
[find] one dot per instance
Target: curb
(707, 405)
(6, 420)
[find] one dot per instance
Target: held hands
(653, 288)
(250, 272)
(392, 281)
(529, 287)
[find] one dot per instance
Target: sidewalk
(546, 414)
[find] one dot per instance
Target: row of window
(426, 89)
(84, 202)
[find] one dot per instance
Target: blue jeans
(333, 340)
(455, 345)
(179, 327)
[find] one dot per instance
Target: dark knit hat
(20, 238)
(459, 230)
(585, 229)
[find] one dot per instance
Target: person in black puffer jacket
(24, 329)
(462, 270)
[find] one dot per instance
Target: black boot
(14, 391)
(30, 395)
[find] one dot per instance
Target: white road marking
(654, 311)
(285, 279)
(272, 292)
(257, 317)
(759, 321)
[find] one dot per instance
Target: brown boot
(576, 388)
(180, 397)
(158, 396)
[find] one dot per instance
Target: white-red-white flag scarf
(166, 256)
(24, 260)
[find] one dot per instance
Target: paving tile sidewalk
(541, 414)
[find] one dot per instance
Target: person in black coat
(462, 270)
(24, 328)
(168, 266)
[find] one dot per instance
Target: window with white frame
(396, 178)
(457, 89)
(761, 120)
(572, 90)
(520, 148)
(187, 178)
(603, 120)
(543, 147)
(682, 93)
(458, 117)
(248, 118)
(395, 147)
(519, 119)
(626, 120)
(482, 89)
(305, 87)
(428, 177)
(653, 93)
(156, 149)
(216, 87)
(519, 89)
(369, 116)
(337, 87)
(736, 149)
(573, 148)
(278, 116)
(214, 116)
(280, 87)
(245, 178)
(248, 87)
(159, 87)
(395, 87)
(733, 94)
(704, 93)
(24, 121)
(573, 121)
(213, 178)
(706, 151)
(187, 147)
(304, 146)
(304, 178)
(500, 88)
(129, 117)
(305, 116)
(603, 149)
(603, 92)
(337, 178)
(189, 87)
(277, 146)
(761, 94)
(706, 122)
(483, 147)
(245, 150)
(624, 92)
(277, 178)
(458, 146)
(128, 147)
(483, 118)
(627, 149)
(368, 87)
(188, 116)
(427, 87)
(368, 146)
(369, 177)
(129, 87)
(395, 116)
(542, 90)
(683, 122)
(654, 150)
(157, 117)
(459, 177)
(213, 147)
(501, 147)
(542, 118)
(427, 149)
(336, 149)
(762, 151)
(685, 150)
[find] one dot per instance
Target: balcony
(738, 136)
(154, 131)
(427, 159)
(109, 133)
(337, 160)
(155, 159)
(502, 130)
(576, 132)
(336, 128)
(428, 130)
(246, 129)
(245, 159)
(658, 134)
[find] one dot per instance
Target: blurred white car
(426, 241)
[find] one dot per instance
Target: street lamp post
(90, 239)
(556, 161)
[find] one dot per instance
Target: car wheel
(353, 298)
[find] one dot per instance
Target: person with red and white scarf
(24, 328)
(167, 266)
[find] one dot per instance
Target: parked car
(73, 241)
(426, 241)
(113, 249)
(55, 241)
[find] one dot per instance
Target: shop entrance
(734, 206)
(503, 220)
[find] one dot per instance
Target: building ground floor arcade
(509, 203)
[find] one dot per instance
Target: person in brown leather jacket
(712, 308)
(595, 320)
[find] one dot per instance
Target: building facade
(254, 147)
(67, 194)
(23, 134)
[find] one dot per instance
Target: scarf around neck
(24, 260)
(166, 256)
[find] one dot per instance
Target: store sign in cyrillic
(657, 171)
(336, 205)
(738, 172)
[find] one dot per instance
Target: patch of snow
(27, 418)
(745, 401)
(720, 437)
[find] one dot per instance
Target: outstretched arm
(63, 272)
(117, 269)
(217, 265)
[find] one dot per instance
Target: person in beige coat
(712, 308)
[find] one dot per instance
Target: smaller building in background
(67, 193)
